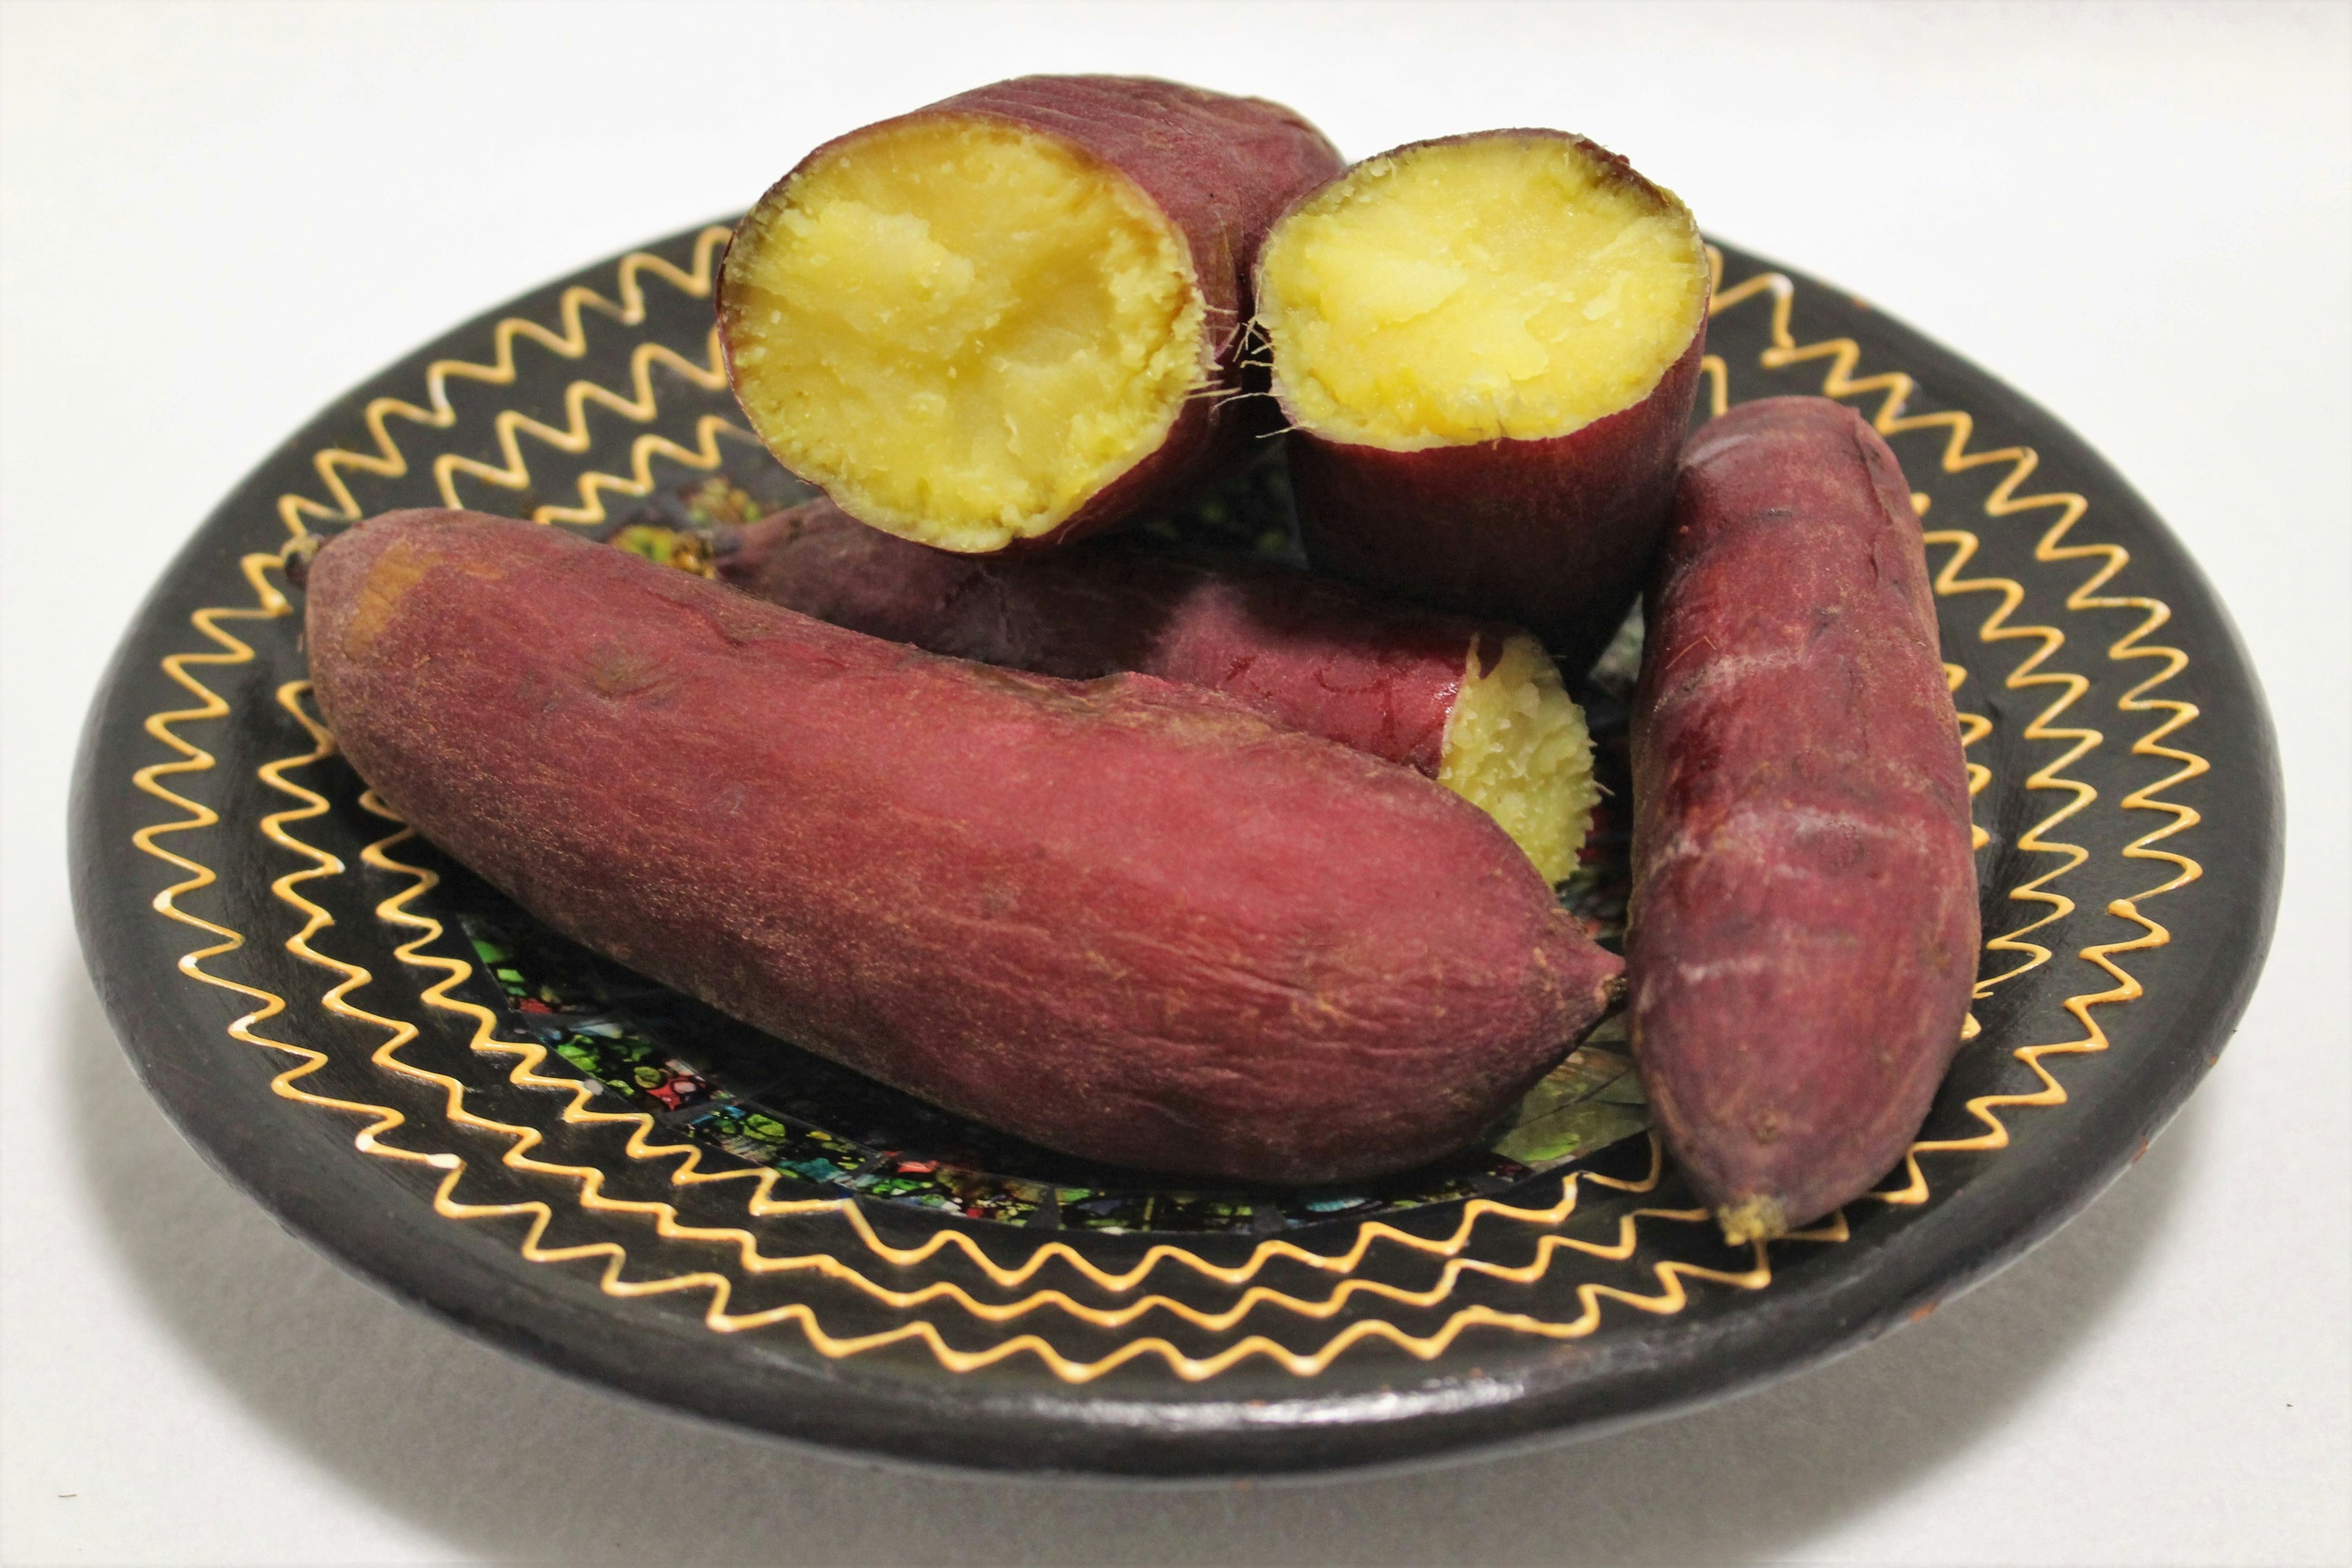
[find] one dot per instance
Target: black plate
(579, 1166)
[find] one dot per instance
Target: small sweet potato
(1803, 931)
(1486, 348)
(1478, 707)
(1125, 919)
(1016, 316)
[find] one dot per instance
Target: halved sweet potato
(1127, 918)
(1487, 349)
(1478, 707)
(1015, 316)
(1804, 933)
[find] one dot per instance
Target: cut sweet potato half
(1486, 348)
(1015, 316)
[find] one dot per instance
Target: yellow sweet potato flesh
(962, 329)
(1516, 748)
(1502, 286)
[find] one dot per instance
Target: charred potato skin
(1221, 168)
(1804, 927)
(1122, 919)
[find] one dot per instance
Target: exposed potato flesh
(962, 329)
(1505, 286)
(1516, 748)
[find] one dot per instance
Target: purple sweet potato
(1486, 348)
(1480, 706)
(1124, 918)
(1017, 316)
(1803, 934)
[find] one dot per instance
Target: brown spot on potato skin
(1121, 918)
(615, 669)
(1803, 924)
(396, 571)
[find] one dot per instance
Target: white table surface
(217, 218)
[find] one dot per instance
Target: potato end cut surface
(1753, 1219)
(1518, 749)
(964, 329)
(1515, 285)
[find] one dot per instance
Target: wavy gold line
(1974, 727)
(454, 971)
(270, 604)
(705, 455)
(1844, 355)
(511, 425)
(1897, 387)
(748, 1256)
(530, 1055)
(2147, 798)
(1670, 1298)
(1995, 629)
(387, 460)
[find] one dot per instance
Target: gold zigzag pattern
(641, 407)
(1669, 1275)
(1996, 628)
(570, 342)
(233, 651)
(453, 971)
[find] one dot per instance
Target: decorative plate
(581, 1166)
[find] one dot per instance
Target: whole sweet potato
(1125, 919)
(1016, 316)
(1480, 706)
(1804, 932)
(1487, 349)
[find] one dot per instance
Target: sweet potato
(1803, 931)
(1125, 919)
(1477, 706)
(1487, 349)
(1016, 316)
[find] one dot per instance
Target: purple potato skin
(1308, 653)
(1124, 919)
(1805, 929)
(1557, 534)
(1221, 169)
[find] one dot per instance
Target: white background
(217, 218)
